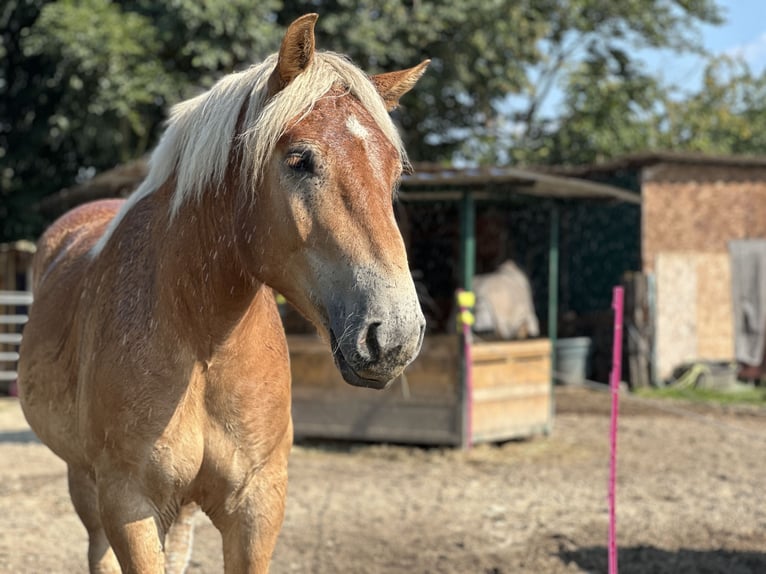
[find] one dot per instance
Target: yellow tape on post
(466, 299)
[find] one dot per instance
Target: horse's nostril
(372, 342)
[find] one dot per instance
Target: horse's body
(154, 362)
(504, 305)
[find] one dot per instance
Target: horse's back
(48, 355)
(72, 235)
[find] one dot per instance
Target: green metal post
(468, 269)
(553, 286)
(468, 240)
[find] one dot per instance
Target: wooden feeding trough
(509, 392)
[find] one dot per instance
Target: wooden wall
(697, 208)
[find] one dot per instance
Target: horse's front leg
(132, 525)
(253, 517)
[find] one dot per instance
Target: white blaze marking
(360, 132)
(356, 128)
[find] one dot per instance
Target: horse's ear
(296, 52)
(394, 85)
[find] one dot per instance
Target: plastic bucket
(573, 359)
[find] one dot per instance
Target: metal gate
(14, 309)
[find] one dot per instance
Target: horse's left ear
(296, 52)
(394, 85)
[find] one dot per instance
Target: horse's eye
(300, 160)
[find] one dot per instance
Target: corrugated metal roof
(429, 182)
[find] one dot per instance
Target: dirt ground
(690, 499)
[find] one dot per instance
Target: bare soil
(690, 500)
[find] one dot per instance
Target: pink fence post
(466, 302)
(614, 381)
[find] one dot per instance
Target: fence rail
(14, 307)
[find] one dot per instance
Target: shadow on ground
(23, 437)
(651, 560)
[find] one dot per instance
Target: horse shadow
(651, 560)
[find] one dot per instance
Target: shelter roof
(636, 161)
(119, 181)
(436, 182)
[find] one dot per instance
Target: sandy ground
(690, 500)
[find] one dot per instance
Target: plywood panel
(715, 322)
(676, 310)
(694, 309)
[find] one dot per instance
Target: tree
(85, 84)
(727, 114)
(606, 115)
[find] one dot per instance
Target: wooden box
(511, 399)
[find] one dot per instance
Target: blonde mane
(197, 143)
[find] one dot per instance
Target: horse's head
(328, 189)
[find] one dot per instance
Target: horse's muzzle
(375, 353)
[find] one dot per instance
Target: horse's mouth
(349, 374)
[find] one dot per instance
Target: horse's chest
(177, 459)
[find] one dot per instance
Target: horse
(504, 306)
(154, 362)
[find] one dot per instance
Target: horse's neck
(203, 288)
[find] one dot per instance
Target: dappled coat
(504, 307)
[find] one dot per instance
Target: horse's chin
(349, 374)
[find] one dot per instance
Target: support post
(553, 287)
(467, 269)
(468, 240)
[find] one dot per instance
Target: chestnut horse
(154, 361)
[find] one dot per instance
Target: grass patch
(742, 395)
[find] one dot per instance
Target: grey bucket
(573, 359)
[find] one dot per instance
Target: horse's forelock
(267, 124)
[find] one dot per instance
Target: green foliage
(85, 84)
(727, 115)
(606, 115)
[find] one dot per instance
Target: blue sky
(743, 34)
